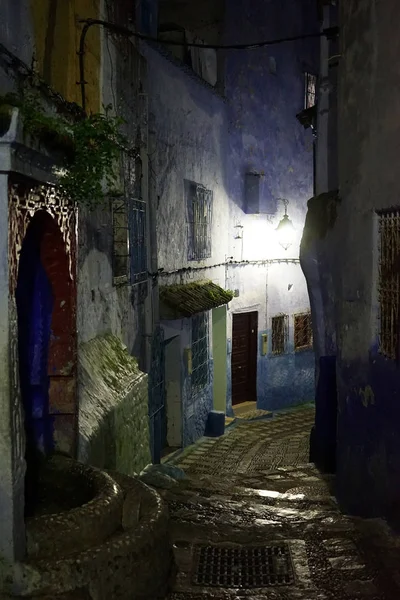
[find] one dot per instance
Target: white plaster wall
(102, 306)
(187, 143)
(287, 291)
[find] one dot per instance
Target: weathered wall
(15, 32)
(265, 91)
(289, 377)
(51, 36)
(187, 123)
(187, 132)
(194, 406)
(317, 260)
(57, 34)
(368, 457)
(197, 135)
(113, 411)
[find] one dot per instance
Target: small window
(302, 331)
(200, 215)
(200, 352)
(310, 90)
(389, 282)
(279, 333)
(120, 241)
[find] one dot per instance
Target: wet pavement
(253, 520)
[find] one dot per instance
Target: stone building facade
(224, 140)
(367, 230)
(75, 292)
(351, 234)
(143, 286)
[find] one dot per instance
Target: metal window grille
(389, 282)
(280, 331)
(302, 331)
(310, 90)
(120, 241)
(200, 352)
(200, 216)
(138, 241)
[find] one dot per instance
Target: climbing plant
(91, 145)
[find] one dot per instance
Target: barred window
(280, 330)
(303, 331)
(389, 282)
(120, 241)
(310, 90)
(200, 214)
(200, 352)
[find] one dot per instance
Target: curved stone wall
(134, 561)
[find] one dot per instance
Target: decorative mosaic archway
(58, 257)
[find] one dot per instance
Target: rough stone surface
(250, 446)
(333, 556)
(113, 409)
(122, 566)
(368, 409)
(254, 125)
(81, 527)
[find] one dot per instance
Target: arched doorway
(46, 308)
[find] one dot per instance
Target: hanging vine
(91, 146)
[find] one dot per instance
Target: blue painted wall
(318, 261)
(264, 134)
(368, 453)
(194, 406)
(198, 135)
(368, 384)
(265, 91)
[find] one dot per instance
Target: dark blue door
(35, 306)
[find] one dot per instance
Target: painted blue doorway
(34, 300)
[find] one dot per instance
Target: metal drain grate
(243, 567)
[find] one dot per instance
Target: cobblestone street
(252, 519)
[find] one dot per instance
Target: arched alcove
(46, 309)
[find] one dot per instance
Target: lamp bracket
(285, 203)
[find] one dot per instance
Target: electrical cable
(328, 32)
(229, 263)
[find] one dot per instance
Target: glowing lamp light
(285, 230)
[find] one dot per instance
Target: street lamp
(285, 229)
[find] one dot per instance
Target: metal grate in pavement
(243, 567)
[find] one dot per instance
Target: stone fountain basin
(114, 545)
(87, 505)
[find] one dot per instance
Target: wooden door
(244, 357)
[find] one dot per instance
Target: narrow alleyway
(252, 519)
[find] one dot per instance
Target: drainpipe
(149, 301)
(321, 166)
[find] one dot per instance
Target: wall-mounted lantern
(285, 230)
